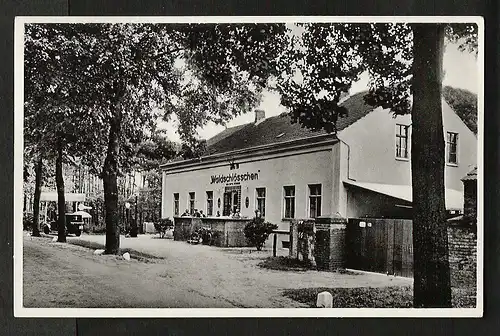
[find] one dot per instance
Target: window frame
(257, 198)
(293, 201)
(192, 206)
(399, 137)
(448, 148)
(211, 212)
(316, 197)
(176, 204)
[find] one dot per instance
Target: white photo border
(20, 311)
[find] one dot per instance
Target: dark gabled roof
(280, 129)
(224, 134)
(472, 175)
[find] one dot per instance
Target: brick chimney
(260, 115)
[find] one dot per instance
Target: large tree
(51, 133)
(57, 126)
(33, 165)
(405, 66)
(125, 75)
(42, 142)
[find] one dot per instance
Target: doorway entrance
(232, 200)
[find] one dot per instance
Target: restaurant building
(288, 172)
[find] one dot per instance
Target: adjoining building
(287, 172)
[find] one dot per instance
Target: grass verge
(282, 263)
(285, 264)
(369, 297)
(96, 246)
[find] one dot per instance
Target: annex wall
(299, 169)
(372, 142)
(365, 203)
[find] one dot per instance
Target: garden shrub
(257, 231)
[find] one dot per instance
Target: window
(452, 146)
(191, 202)
(210, 203)
(261, 201)
(314, 200)
(289, 202)
(402, 141)
(176, 204)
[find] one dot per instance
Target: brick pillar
(337, 244)
(330, 243)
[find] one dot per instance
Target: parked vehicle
(74, 225)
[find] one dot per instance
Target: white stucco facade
(372, 147)
(295, 167)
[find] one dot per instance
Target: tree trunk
(134, 228)
(61, 202)
(430, 239)
(110, 176)
(35, 228)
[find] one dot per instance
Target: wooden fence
(380, 245)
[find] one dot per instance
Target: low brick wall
(226, 232)
(185, 226)
(462, 250)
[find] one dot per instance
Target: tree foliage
(199, 72)
(194, 149)
(322, 61)
(464, 103)
(154, 151)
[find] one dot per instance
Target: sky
(461, 71)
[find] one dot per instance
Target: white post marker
(126, 256)
(325, 300)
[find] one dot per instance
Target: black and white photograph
(248, 166)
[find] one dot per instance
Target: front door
(235, 206)
(232, 200)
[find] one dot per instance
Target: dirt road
(64, 275)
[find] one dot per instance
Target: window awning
(454, 199)
(69, 197)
